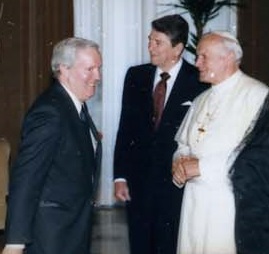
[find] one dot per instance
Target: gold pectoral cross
(201, 129)
(201, 132)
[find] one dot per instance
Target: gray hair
(64, 52)
(231, 43)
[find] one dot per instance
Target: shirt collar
(173, 71)
(73, 97)
(227, 83)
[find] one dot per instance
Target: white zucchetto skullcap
(234, 43)
(227, 35)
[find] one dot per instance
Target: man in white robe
(215, 124)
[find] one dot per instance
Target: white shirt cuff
(177, 184)
(15, 246)
(119, 180)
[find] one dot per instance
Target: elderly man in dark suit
(52, 179)
(145, 139)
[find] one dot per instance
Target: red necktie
(159, 98)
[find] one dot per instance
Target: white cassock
(211, 130)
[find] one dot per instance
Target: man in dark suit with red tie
(145, 138)
(52, 180)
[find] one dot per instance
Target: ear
(179, 49)
(230, 56)
(63, 70)
(230, 60)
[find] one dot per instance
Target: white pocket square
(186, 103)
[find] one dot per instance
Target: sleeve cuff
(120, 180)
(178, 185)
(15, 246)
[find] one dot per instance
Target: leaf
(201, 11)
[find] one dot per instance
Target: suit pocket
(186, 103)
(44, 203)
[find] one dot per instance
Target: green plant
(202, 11)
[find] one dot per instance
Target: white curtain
(121, 28)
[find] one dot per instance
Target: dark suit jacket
(250, 178)
(143, 156)
(50, 193)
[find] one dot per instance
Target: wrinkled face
(162, 54)
(85, 74)
(211, 60)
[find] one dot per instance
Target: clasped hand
(185, 168)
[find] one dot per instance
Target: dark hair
(174, 26)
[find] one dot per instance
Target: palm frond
(201, 11)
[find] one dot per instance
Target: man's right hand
(121, 191)
(11, 250)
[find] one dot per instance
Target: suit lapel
(73, 117)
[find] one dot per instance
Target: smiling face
(84, 75)
(162, 53)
